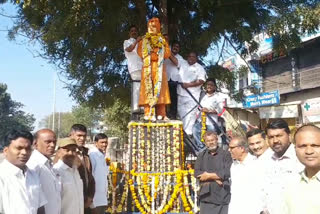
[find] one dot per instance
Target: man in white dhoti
(134, 65)
(192, 77)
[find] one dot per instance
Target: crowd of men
(268, 172)
(43, 175)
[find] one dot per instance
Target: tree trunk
(164, 16)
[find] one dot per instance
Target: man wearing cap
(67, 166)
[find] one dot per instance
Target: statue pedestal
(156, 147)
(155, 181)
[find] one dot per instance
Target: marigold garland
(163, 166)
(152, 43)
(203, 125)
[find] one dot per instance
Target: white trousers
(185, 104)
(135, 90)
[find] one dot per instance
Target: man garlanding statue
(154, 90)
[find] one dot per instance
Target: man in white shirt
(100, 173)
(258, 144)
(244, 180)
(134, 65)
(212, 105)
(192, 77)
(79, 134)
(302, 193)
(172, 68)
(72, 201)
(20, 188)
(40, 161)
(282, 165)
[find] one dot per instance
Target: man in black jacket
(212, 168)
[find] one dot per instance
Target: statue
(154, 90)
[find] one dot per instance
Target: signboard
(289, 111)
(264, 99)
(311, 110)
(256, 78)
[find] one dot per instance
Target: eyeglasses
(232, 147)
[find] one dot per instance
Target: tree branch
(221, 51)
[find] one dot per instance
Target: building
(295, 75)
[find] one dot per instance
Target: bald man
(40, 160)
(302, 193)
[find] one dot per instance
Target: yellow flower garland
(165, 165)
(203, 125)
(149, 43)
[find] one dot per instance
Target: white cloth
(278, 173)
(245, 194)
(188, 117)
(172, 69)
(72, 201)
(50, 181)
(212, 102)
(100, 173)
(189, 73)
(266, 156)
(134, 60)
(20, 193)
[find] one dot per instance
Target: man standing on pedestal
(134, 65)
(172, 67)
(192, 77)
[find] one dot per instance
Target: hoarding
(288, 111)
(311, 110)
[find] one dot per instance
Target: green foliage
(117, 118)
(223, 75)
(64, 120)
(11, 115)
(62, 123)
(84, 38)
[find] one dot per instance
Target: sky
(30, 79)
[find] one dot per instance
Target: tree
(64, 120)
(11, 115)
(116, 118)
(84, 38)
(63, 123)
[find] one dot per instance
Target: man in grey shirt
(212, 168)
